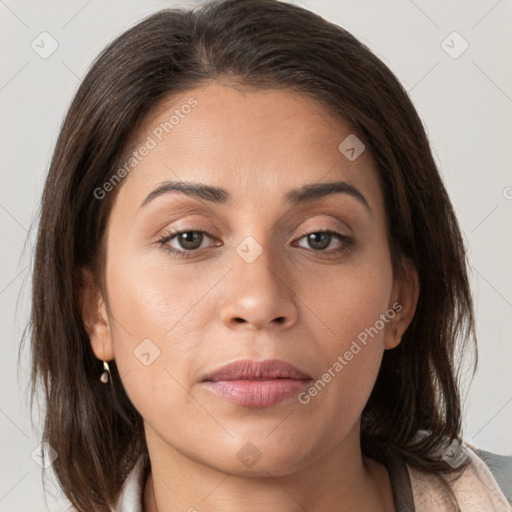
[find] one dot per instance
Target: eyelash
(347, 242)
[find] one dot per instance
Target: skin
(214, 307)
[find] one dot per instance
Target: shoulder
(484, 484)
(500, 467)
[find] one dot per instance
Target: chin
(261, 458)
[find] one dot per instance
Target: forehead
(256, 144)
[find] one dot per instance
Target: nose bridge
(259, 265)
(262, 247)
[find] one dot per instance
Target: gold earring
(105, 376)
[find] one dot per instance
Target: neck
(341, 480)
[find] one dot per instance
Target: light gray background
(466, 105)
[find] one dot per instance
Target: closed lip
(248, 369)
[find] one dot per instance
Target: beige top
(475, 488)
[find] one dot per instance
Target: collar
(132, 492)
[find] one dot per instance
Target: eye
(321, 240)
(189, 241)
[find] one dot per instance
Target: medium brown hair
(95, 429)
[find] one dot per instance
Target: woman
(250, 288)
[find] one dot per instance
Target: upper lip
(248, 369)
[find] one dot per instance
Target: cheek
(156, 330)
(350, 298)
(354, 314)
(155, 298)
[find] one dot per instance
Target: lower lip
(257, 393)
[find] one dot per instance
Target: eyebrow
(221, 196)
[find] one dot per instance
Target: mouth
(257, 384)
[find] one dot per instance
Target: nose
(259, 294)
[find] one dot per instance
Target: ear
(406, 291)
(94, 315)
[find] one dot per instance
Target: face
(258, 273)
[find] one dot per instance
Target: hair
(262, 44)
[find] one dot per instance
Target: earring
(105, 376)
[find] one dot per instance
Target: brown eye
(185, 243)
(321, 240)
(189, 240)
